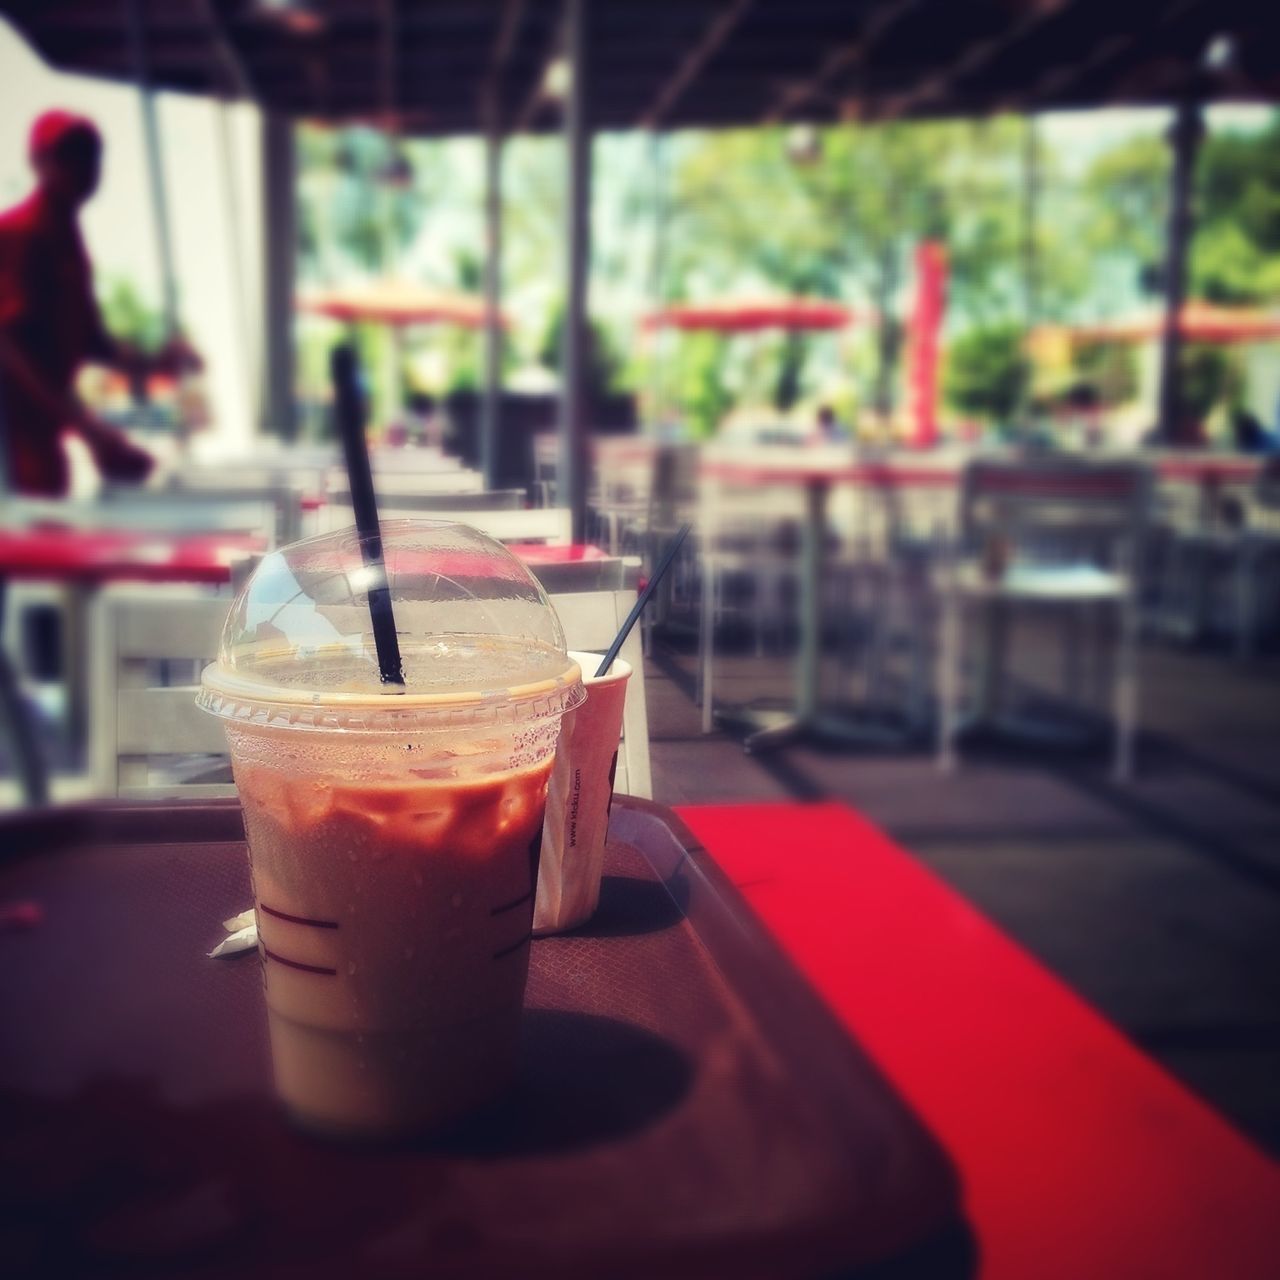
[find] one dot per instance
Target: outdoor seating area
(639, 640)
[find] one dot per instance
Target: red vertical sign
(924, 336)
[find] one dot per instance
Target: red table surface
(535, 553)
(913, 474)
(1079, 1156)
(119, 555)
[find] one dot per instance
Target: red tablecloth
(799, 467)
(117, 555)
(534, 553)
(1079, 1155)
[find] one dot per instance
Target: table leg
(813, 554)
(75, 664)
(22, 740)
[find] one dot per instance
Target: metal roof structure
(443, 67)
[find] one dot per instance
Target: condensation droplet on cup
(351, 967)
(351, 853)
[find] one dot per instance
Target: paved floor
(1159, 901)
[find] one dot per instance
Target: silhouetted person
(50, 323)
(1249, 433)
(829, 429)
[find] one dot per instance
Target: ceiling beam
(839, 60)
(529, 112)
(388, 64)
(1060, 80)
(224, 47)
(973, 59)
(716, 34)
(503, 43)
(505, 40)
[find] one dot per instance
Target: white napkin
(242, 933)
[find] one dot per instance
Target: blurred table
(83, 560)
(93, 557)
(86, 559)
(816, 471)
(1079, 1155)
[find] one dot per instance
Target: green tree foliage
(847, 224)
(1210, 375)
(1236, 253)
(129, 318)
(1110, 368)
(701, 386)
(986, 372)
(1235, 248)
(603, 368)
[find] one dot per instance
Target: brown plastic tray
(686, 1105)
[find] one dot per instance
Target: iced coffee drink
(394, 837)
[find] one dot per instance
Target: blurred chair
(391, 483)
(546, 462)
(413, 460)
(1258, 570)
(148, 647)
(149, 739)
(748, 552)
(551, 525)
(614, 573)
(1058, 536)
(591, 620)
(895, 538)
(162, 511)
(673, 502)
(453, 504)
(621, 487)
(220, 508)
(1214, 573)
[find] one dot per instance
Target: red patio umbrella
(1197, 322)
(399, 304)
(748, 316)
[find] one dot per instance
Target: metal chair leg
(1126, 693)
(707, 641)
(13, 716)
(949, 682)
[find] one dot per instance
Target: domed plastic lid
(479, 640)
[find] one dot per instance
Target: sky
(211, 230)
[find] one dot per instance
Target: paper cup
(578, 800)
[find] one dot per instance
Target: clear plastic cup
(393, 835)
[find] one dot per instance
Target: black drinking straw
(349, 406)
(645, 596)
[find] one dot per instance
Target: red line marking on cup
(297, 964)
(284, 915)
(514, 947)
(511, 906)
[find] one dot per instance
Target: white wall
(118, 223)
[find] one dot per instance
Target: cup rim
(620, 670)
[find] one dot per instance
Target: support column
(1030, 250)
(572, 480)
(155, 168)
(657, 286)
(490, 416)
(277, 415)
(1184, 140)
